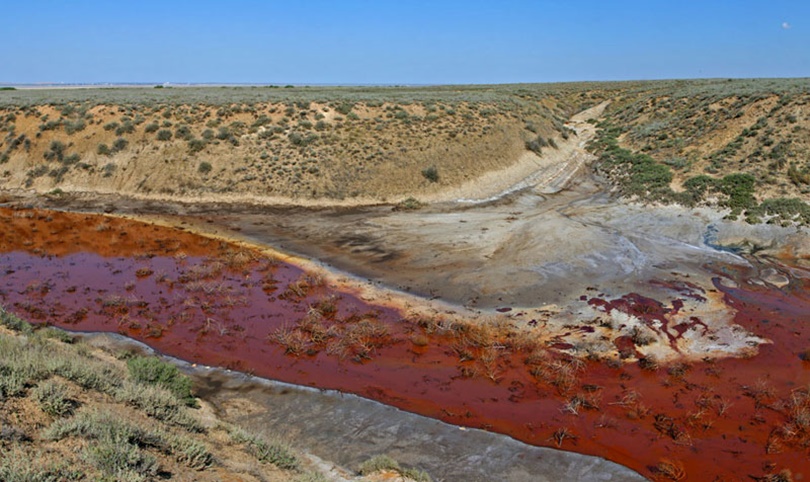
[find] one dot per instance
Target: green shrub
(740, 190)
(104, 150)
(636, 174)
(276, 453)
(153, 371)
(300, 140)
(121, 461)
(71, 159)
(58, 173)
(52, 398)
(126, 127)
(192, 453)
(417, 475)
(13, 381)
(74, 126)
(379, 463)
(223, 133)
(14, 322)
(183, 132)
(151, 127)
(409, 204)
(101, 424)
(431, 174)
(262, 120)
(383, 462)
(345, 108)
(648, 176)
(109, 169)
(87, 373)
(155, 401)
(19, 466)
(310, 477)
(55, 152)
(700, 185)
(164, 135)
(204, 168)
(537, 144)
(196, 145)
(50, 125)
(120, 144)
(783, 209)
(51, 332)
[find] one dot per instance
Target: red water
(214, 303)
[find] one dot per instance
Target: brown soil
(267, 152)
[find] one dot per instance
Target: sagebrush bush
(431, 174)
(384, 462)
(53, 399)
(102, 424)
(159, 403)
(192, 453)
(124, 462)
(18, 465)
(276, 453)
(153, 371)
(120, 144)
(14, 322)
(196, 145)
(378, 463)
(88, 373)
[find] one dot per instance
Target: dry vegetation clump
(72, 412)
(561, 435)
(383, 464)
(669, 470)
(794, 431)
(354, 337)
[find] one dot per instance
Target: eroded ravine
(592, 324)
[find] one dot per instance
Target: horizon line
(33, 85)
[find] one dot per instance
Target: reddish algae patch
(216, 303)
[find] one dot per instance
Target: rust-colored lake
(216, 303)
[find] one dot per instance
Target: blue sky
(401, 41)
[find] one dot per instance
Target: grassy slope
(704, 142)
(332, 143)
(72, 412)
